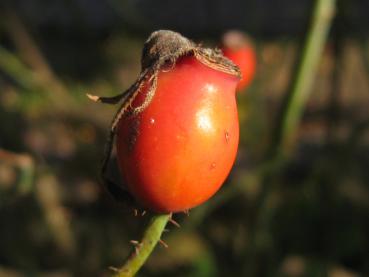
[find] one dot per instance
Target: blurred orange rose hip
(238, 48)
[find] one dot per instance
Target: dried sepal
(215, 59)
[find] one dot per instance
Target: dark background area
(57, 220)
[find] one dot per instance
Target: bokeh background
(306, 215)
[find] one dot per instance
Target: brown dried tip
(134, 242)
(93, 97)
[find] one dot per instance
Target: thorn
(143, 213)
(175, 223)
(163, 243)
(93, 97)
(166, 230)
(134, 242)
(186, 212)
(113, 268)
(137, 246)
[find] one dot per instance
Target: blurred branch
(25, 77)
(290, 117)
(302, 81)
(32, 72)
(31, 54)
(15, 68)
(144, 248)
(26, 166)
(296, 99)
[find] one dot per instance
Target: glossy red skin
(245, 58)
(177, 153)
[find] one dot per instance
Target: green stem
(296, 99)
(300, 91)
(145, 247)
(290, 118)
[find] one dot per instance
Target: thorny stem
(150, 238)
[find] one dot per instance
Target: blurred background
(305, 215)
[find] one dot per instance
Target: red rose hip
(177, 152)
(177, 129)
